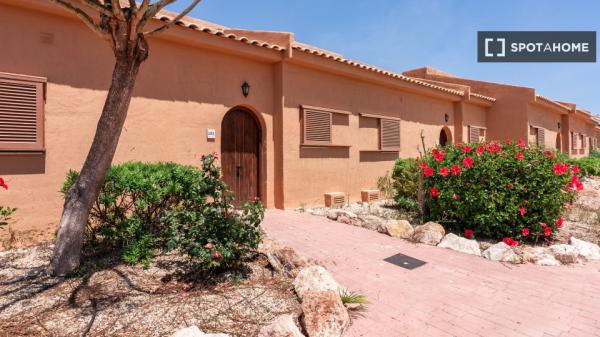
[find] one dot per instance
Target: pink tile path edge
(454, 294)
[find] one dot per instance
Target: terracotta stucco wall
(547, 119)
(310, 172)
(473, 115)
(578, 125)
(181, 91)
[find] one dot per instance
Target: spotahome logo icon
(536, 46)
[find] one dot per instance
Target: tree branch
(96, 5)
(175, 19)
(84, 17)
(116, 9)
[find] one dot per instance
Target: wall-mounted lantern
(446, 117)
(559, 125)
(245, 89)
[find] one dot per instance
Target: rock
(399, 229)
(566, 254)
(324, 314)
(463, 245)
(586, 249)
(430, 233)
(314, 278)
(373, 223)
(349, 221)
(540, 256)
(283, 326)
(287, 261)
(318, 211)
(501, 252)
(193, 331)
(333, 214)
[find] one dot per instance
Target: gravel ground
(114, 299)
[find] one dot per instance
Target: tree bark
(83, 193)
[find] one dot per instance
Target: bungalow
(290, 121)
(521, 113)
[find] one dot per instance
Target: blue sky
(405, 34)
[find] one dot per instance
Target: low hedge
(500, 191)
(144, 208)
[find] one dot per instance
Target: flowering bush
(406, 184)
(146, 207)
(507, 191)
(5, 212)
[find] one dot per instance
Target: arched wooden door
(240, 145)
(445, 137)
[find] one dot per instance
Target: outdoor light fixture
(245, 89)
(559, 125)
(446, 117)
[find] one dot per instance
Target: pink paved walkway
(454, 294)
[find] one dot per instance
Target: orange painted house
(306, 122)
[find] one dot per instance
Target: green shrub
(406, 184)
(144, 208)
(5, 212)
(590, 166)
(498, 191)
(595, 153)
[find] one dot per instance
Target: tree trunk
(81, 196)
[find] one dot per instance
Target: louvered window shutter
(317, 127)
(21, 113)
(474, 134)
(541, 137)
(389, 134)
(574, 140)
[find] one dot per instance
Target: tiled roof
(487, 98)
(319, 52)
(205, 27)
(553, 102)
(221, 31)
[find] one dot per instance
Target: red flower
(428, 171)
(508, 142)
(522, 211)
(439, 156)
(521, 143)
(480, 150)
(547, 230)
(493, 147)
(510, 185)
(510, 241)
(575, 169)
(468, 162)
(455, 169)
(559, 169)
(444, 171)
(216, 255)
(525, 231)
(576, 184)
(455, 196)
(208, 245)
(435, 150)
(466, 149)
(3, 183)
(423, 165)
(559, 222)
(520, 156)
(579, 186)
(435, 192)
(468, 233)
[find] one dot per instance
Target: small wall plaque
(211, 133)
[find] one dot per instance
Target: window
(574, 137)
(389, 134)
(317, 126)
(537, 136)
(21, 113)
(476, 134)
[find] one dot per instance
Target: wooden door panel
(240, 156)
